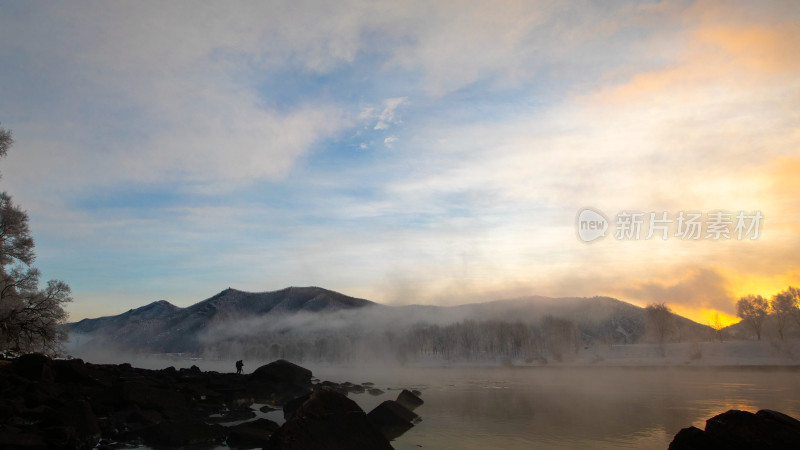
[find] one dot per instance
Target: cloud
(387, 116)
(698, 288)
(166, 92)
(193, 108)
(389, 141)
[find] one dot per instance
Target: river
(566, 408)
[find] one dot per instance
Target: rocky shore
(70, 404)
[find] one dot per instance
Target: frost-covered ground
(728, 353)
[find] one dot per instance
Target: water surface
(561, 408)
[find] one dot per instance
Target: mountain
(165, 328)
(598, 319)
(123, 322)
(315, 323)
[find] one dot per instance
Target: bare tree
(660, 322)
(561, 336)
(716, 324)
(29, 317)
(782, 307)
(794, 294)
(5, 141)
(753, 310)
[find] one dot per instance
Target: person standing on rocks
(239, 365)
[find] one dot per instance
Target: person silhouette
(239, 365)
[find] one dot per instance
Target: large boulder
(331, 421)
(282, 371)
(251, 434)
(410, 400)
(765, 429)
(34, 366)
(77, 417)
(279, 382)
(789, 423)
(292, 405)
(742, 430)
(693, 438)
(392, 419)
(72, 371)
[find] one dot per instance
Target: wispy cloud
(387, 116)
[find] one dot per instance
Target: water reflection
(573, 407)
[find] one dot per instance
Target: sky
(405, 151)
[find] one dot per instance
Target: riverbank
(71, 404)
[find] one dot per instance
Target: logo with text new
(591, 225)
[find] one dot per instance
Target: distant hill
(316, 323)
(165, 328)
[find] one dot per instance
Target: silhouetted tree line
(779, 314)
(782, 312)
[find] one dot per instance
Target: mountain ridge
(163, 326)
(263, 317)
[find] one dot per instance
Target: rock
(149, 397)
(693, 438)
(279, 382)
(392, 418)
(375, 391)
(43, 394)
(742, 430)
(331, 421)
(183, 432)
(790, 422)
(72, 371)
(143, 418)
(8, 409)
(290, 407)
(13, 438)
(356, 389)
(408, 399)
(340, 388)
(70, 425)
(282, 371)
(232, 415)
(251, 434)
(79, 417)
(71, 404)
(34, 366)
